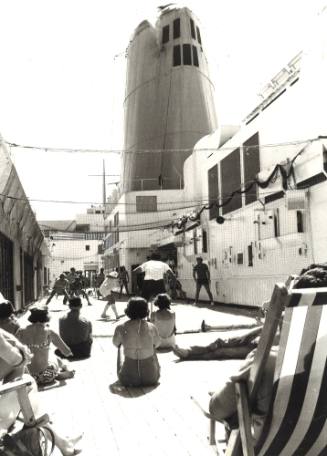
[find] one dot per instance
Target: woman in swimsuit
(45, 367)
(139, 339)
(165, 321)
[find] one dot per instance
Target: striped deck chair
(296, 420)
(272, 321)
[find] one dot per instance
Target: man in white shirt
(154, 279)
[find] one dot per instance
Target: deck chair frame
(296, 419)
(245, 394)
(273, 316)
(21, 389)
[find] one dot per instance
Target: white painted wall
(72, 253)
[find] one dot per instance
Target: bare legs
(66, 445)
(110, 303)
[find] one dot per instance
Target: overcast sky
(63, 69)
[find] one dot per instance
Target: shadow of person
(130, 392)
(54, 384)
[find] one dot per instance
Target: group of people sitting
(25, 352)
(139, 337)
(74, 340)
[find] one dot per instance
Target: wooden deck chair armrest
(14, 386)
(20, 387)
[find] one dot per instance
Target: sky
(63, 73)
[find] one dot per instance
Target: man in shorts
(201, 275)
(155, 272)
(60, 287)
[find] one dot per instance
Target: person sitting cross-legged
(76, 331)
(165, 320)
(139, 339)
(45, 367)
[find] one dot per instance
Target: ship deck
(161, 420)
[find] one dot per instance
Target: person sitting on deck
(76, 331)
(44, 367)
(139, 339)
(14, 357)
(222, 404)
(8, 321)
(165, 321)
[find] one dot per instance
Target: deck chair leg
(212, 435)
(25, 406)
(234, 447)
(244, 419)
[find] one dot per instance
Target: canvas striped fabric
(296, 421)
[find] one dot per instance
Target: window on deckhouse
(198, 35)
(192, 29)
(251, 160)
(177, 56)
(231, 182)
(176, 29)
(213, 192)
(195, 56)
(165, 34)
(146, 203)
(187, 59)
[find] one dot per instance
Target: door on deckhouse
(6, 268)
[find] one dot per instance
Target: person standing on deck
(78, 287)
(155, 272)
(60, 287)
(107, 290)
(201, 275)
(123, 280)
(99, 281)
(71, 277)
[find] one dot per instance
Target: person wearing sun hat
(38, 336)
